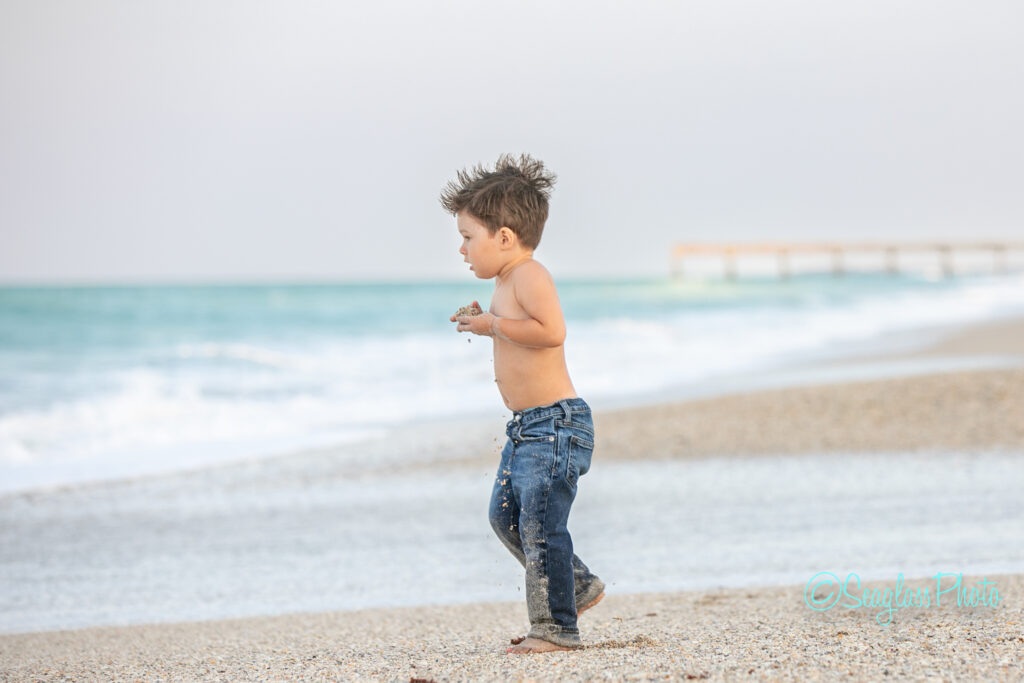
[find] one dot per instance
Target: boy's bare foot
(532, 645)
(516, 641)
(590, 604)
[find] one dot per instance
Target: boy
(500, 216)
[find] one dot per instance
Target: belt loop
(567, 409)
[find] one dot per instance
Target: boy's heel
(594, 595)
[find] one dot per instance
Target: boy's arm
(545, 328)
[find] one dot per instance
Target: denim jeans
(547, 451)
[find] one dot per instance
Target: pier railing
(889, 252)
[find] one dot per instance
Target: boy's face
(480, 249)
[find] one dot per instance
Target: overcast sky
(225, 141)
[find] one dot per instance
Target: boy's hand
(478, 323)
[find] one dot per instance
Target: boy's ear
(506, 237)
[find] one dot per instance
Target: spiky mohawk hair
(515, 194)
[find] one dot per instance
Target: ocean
(101, 382)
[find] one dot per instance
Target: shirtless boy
(500, 216)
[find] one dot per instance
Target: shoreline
(711, 634)
(718, 633)
(967, 359)
(960, 411)
(1000, 337)
(950, 409)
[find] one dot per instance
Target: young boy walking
(500, 216)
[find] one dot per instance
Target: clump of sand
(472, 309)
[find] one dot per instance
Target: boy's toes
(533, 645)
(516, 641)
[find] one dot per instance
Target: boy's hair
(515, 194)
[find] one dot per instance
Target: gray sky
(221, 141)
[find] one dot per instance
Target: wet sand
(998, 337)
(717, 634)
(964, 411)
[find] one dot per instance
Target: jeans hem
(556, 637)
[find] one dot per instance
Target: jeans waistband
(564, 407)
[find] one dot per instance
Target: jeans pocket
(578, 462)
(540, 430)
(579, 424)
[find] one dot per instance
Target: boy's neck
(513, 264)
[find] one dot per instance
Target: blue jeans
(547, 451)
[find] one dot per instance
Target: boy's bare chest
(504, 304)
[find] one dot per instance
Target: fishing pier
(889, 254)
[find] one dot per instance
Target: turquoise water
(117, 379)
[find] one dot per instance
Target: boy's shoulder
(532, 273)
(531, 279)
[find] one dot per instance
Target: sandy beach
(761, 633)
(978, 409)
